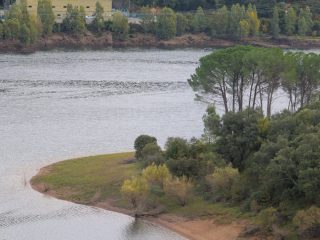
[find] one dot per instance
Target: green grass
(83, 178)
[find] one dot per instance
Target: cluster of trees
(264, 7)
(248, 77)
(235, 22)
(291, 21)
(19, 25)
(155, 182)
(22, 26)
(269, 165)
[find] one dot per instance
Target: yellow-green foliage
(307, 219)
(156, 174)
(179, 189)
(253, 20)
(263, 126)
(245, 28)
(267, 217)
(222, 180)
(120, 26)
(135, 189)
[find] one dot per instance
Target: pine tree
(290, 20)
(275, 23)
(46, 16)
(98, 22)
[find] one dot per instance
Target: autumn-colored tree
(156, 175)
(180, 189)
(135, 190)
(252, 20)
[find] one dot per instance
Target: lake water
(58, 105)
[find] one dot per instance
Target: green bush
(176, 148)
(222, 182)
(267, 218)
(120, 27)
(308, 221)
(152, 154)
(141, 142)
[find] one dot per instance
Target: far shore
(139, 40)
(191, 227)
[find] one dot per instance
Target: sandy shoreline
(193, 229)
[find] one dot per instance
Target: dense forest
(267, 164)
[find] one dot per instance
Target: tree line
(264, 7)
(248, 77)
(234, 22)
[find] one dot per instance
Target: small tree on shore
(135, 190)
(120, 27)
(199, 23)
(179, 189)
(182, 24)
(141, 142)
(46, 16)
(167, 24)
(275, 23)
(98, 22)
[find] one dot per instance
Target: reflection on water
(57, 105)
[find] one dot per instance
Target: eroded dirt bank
(90, 41)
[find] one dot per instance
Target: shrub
(267, 218)
(308, 221)
(176, 148)
(152, 154)
(141, 142)
(120, 27)
(180, 189)
(222, 181)
(184, 166)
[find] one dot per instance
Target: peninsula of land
(97, 180)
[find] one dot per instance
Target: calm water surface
(57, 105)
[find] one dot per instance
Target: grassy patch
(98, 177)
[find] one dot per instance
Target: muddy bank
(90, 41)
